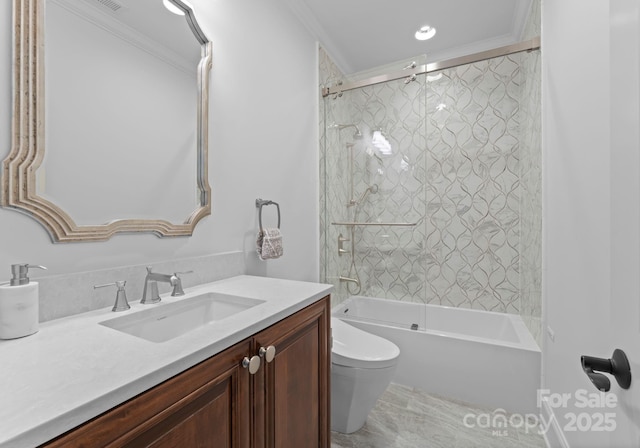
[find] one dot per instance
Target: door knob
(252, 364)
(267, 353)
(617, 365)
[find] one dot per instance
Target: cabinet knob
(267, 353)
(252, 364)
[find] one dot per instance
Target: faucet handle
(177, 288)
(121, 303)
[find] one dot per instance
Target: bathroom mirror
(110, 118)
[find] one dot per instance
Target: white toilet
(362, 365)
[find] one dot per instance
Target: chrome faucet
(150, 293)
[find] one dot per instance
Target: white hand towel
(269, 244)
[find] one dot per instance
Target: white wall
(576, 206)
(625, 211)
(263, 144)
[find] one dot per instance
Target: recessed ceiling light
(172, 7)
(425, 32)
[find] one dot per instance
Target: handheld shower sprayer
(373, 189)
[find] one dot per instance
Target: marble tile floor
(405, 417)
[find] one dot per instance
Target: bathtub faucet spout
(349, 279)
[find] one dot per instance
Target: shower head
(340, 127)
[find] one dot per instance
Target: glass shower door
(374, 202)
(432, 188)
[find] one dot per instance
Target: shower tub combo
(411, 179)
(480, 357)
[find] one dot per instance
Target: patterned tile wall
(473, 186)
(531, 197)
(531, 184)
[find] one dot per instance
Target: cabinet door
(292, 391)
(206, 406)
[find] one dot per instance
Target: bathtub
(479, 357)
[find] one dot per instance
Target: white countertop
(74, 369)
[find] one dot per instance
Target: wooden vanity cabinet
(218, 403)
(292, 391)
(205, 406)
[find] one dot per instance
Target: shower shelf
(381, 224)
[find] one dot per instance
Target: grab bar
(382, 224)
(261, 203)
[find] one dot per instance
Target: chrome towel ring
(260, 203)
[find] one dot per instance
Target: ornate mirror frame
(28, 142)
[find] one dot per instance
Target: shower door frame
(408, 75)
(526, 45)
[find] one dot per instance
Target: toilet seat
(353, 347)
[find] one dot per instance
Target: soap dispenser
(19, 304)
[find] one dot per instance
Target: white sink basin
(166, 321)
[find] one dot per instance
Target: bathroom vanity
(262, 383)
